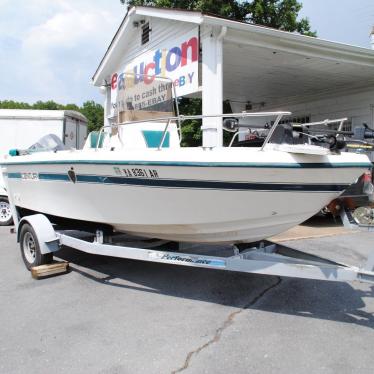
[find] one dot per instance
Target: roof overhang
(286, 68)
(272, 38)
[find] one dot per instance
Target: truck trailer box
(21, 128)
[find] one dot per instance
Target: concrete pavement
(119, 316)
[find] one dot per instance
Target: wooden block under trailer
(47, 270)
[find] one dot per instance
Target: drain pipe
(223, 33)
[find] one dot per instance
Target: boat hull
(184, 200)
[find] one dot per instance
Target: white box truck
(21, 128)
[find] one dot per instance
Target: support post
(107, 107)
(212, 83)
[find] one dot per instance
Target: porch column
(212, 84)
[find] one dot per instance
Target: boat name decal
(136, 172)
(192, 260)
(30, 176)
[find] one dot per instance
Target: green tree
(229, 8)
(94, 113)
(72, 107)
(47, 105)
(191, 129)
(279, 14)
(10, 104)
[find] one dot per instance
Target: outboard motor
(364, 132)
(50, 142)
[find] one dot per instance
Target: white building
(253, 67)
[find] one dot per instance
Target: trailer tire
(30, 248)
(6, 218)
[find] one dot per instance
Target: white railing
(325, 123)
(179, 119)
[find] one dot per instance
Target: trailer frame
(263, 257)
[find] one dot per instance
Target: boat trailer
(264, 257)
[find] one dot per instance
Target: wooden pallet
(42, 271)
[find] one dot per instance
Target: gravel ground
(119, 316)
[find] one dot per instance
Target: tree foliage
(93, 111)
(279, 14)
(191, 129)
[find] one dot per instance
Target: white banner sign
(177, 59)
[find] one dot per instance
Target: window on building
(145, 33)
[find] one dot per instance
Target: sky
(49, 50)
(344, 21)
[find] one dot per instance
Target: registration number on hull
(136, 172)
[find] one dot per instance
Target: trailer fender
(47, 238)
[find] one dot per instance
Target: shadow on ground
(335, 301)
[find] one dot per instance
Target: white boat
(141, 181)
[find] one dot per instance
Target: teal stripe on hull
(192, 184)
(13, 175)
(54, 177)
(201, 164)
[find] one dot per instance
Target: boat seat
(153, 138)
(93, 140)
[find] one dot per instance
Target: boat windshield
(50, 142)
(142, 97)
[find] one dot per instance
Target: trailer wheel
(6, 218)
(30, 248)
